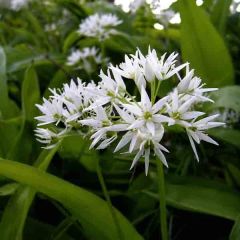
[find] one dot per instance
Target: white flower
(162, 68)
(100, 123)
(85, 58)
(18, 4)
(131, 69)
(75, 100)
(48, 137)
(165, 16)
(111, 89)
(196, 131)
(50, 27)
(74, 57)
(191, 85)
(136, 4)
(147, 115)
(53, 112)
(149, 68)
(144, 142)
(99, 26)
(179, 109)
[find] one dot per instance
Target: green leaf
(220, 13)
(30, 94)
(70, 40)
(121, 43)
(22, 142)
(235, 172)
(235, 232)
(21, 56)
(91, 211)
(8, 189)
(227, 97)
(228, 135)
(201, 196)
(9, 129)
(203, 47)
(3, 85)
(75, 8)
(15, 213)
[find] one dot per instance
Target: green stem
(103, 53)
(157, 89)
(109, 202)
(152, 91)
(162, 200)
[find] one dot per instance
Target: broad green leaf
(203, 47)
(220, 13)
(208, 4)
(120, 43)
(22, 142)
(21, 56)
(8, 189)
(75, 8)
(235, 232)
(227, 97)
(200, 197)
(30, 94)
(235, 172)
(3, 85)
(228, 135)
(15, 213)
(91, 211)
(9, 129)
(70, 40)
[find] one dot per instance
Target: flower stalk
(108, 200)
(162, 200)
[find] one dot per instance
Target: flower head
(16, 5)
(100, 26)
(107, 112)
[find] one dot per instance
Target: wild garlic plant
(108, 113)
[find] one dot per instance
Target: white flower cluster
(14, 5)
(85, 58)
(79, 55)
(107, 111)
(18, 4)
(100, 26)
(136, 4)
